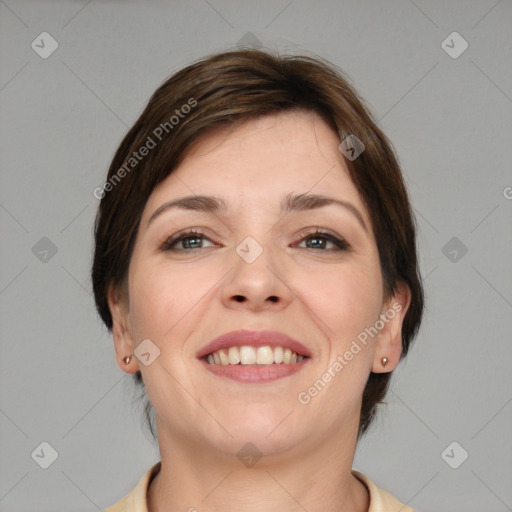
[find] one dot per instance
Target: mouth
(252, 356)
(247, 355)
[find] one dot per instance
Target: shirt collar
(136, 500)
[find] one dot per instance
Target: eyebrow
(291, 202)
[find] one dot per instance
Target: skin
(324, 298)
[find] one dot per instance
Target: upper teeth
(254, 355)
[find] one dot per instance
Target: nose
(258, 284)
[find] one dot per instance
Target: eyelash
(340, 243)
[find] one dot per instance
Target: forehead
(262, 160)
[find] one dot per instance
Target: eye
(190, 240)
(321, 239)
(193, 239)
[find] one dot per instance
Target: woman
(255, 260)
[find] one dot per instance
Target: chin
(266, 430)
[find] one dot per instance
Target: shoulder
(135, 500)
(381, 500)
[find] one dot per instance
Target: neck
(195, 478)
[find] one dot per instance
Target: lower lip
(254, 374)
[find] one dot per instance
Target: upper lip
(255, 339)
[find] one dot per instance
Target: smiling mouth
(246, 355)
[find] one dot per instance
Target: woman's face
(321, 292)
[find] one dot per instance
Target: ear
(121, 328)
(389, 339)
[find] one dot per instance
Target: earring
(384, 361)
(127, 359)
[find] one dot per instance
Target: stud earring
(127, 359)
(384, 361)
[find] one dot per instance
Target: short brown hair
(227, 89)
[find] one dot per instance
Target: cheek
(346, 300)
(161, 297)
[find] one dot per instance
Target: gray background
(64, 116)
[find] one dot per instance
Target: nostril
(241, 298)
